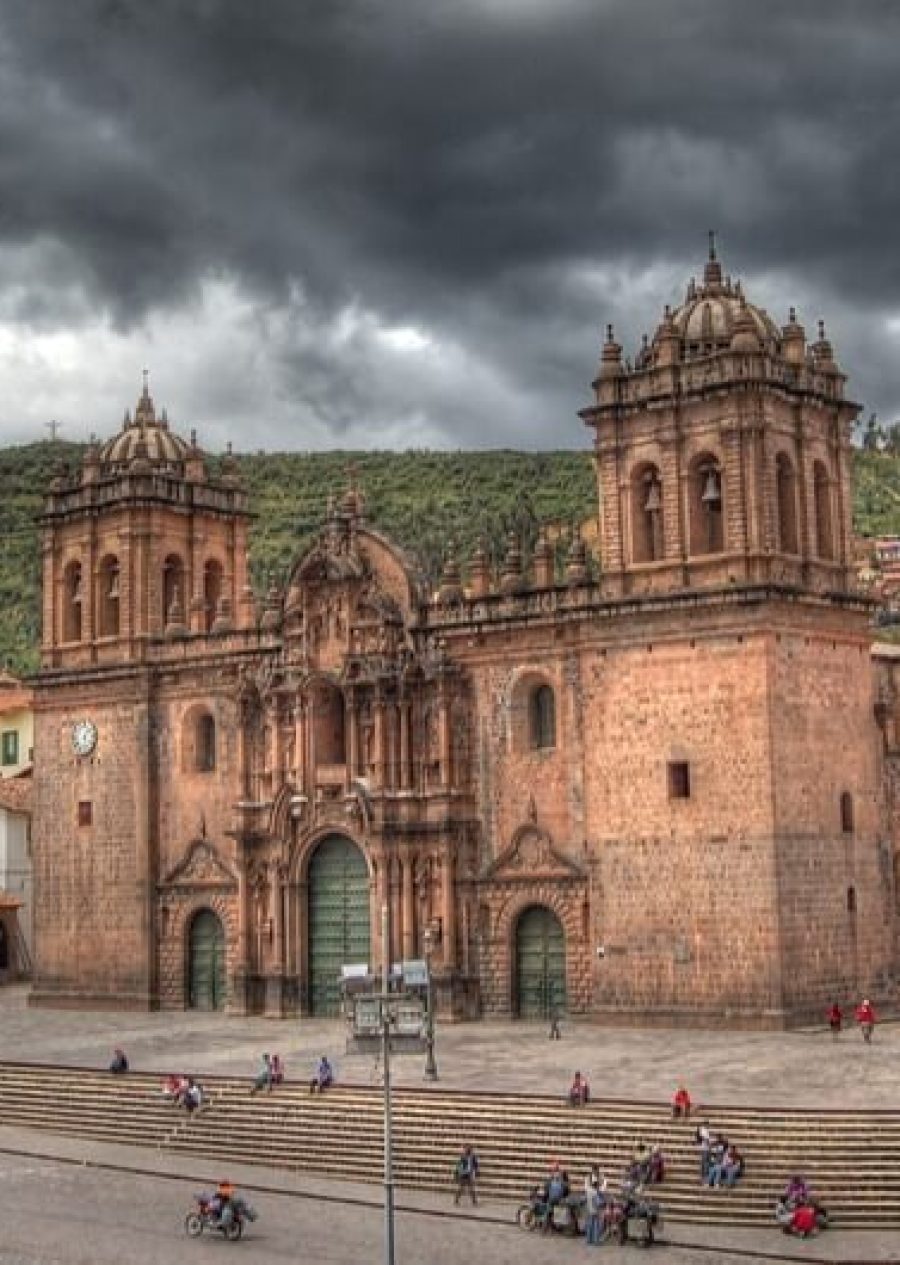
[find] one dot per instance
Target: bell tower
(723, 452)
(141, 544)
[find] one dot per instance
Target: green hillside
(422, 499)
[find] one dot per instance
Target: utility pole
(386, 1062)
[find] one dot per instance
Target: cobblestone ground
(797, 1068)
(54, 1213)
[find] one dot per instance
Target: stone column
(409, 913)
(404, 745)
(448, 911)
(380, 741)
(352, 720)
(444, 740)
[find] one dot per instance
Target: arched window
(822, 505)
(707, 531)
(198, 740)
(212, 591)
(72, 602)
(847, 813)
(647, 515)
(206, 743)
(542, 718)
(172, 588)
(786, 500)
(108, 597)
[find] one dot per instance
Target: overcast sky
(405, 223)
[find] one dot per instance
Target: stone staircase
(852, 1158)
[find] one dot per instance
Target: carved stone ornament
(201, 866)
(532, 854)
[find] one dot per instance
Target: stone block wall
(94, 883)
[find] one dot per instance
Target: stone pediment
(201, 866)
(532, 855)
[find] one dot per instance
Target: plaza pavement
(799, 1068)
(805, 1068)
(111, 1203)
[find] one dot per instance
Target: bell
(711, 494)
(653, 501)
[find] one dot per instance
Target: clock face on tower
(84, 737)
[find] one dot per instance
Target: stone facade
(685, 759)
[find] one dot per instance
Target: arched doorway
(206, 962)
(540, 980)
(338, 895)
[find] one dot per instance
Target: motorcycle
(206, 1216)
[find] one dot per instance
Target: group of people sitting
(647, 1166)
(798, 1211)
(271, 1073)
(183, 1091)
(721, 1163)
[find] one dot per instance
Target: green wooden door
(338, 885)
(206, 989)
(540, 983)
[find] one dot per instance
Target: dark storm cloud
(504, 175)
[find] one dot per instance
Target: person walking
(835, 1020)
(865, 1017)
(466, 1174)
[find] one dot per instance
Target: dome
(144, 438)
(714, 311)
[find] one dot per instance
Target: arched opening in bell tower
(108, 597)
(212, 591)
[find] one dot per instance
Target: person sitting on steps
(579, 1091)
(681, 1104)
(324, 1077)
(119, 1064)
(263, 1077)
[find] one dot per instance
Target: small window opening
(542, 708)
(85, 812)
(851, 900)
(847, 813)
(10, 750)
(679, 780)
(206, 743)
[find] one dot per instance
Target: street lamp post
(431, 1071)
(386, 1062)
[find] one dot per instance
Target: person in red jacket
(681, 1103)
(835, 1020)
(803, 1221)
(865, 1017)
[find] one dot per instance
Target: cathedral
(660, 789)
